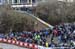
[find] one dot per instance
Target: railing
(41, 47)
(23, 4)
(30, 46)
(19, 43)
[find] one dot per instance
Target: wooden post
(18, 1)
(27, 1)
(31, 2)
(12, 1)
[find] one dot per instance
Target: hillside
(12, 20)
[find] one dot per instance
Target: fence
(41, 47)
(18, 43)
(31, 46)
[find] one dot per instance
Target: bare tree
(56, 12)
(14, 21)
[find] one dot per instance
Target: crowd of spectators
(64, 33)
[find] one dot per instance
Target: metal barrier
(41, 47)
(32, 46)
(18, 43)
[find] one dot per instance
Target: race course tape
(18, 43)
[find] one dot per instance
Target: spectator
(64, 33)
(47, 45)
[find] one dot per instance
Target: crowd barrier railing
(18, 43)
(28, 45)
(41, 47)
